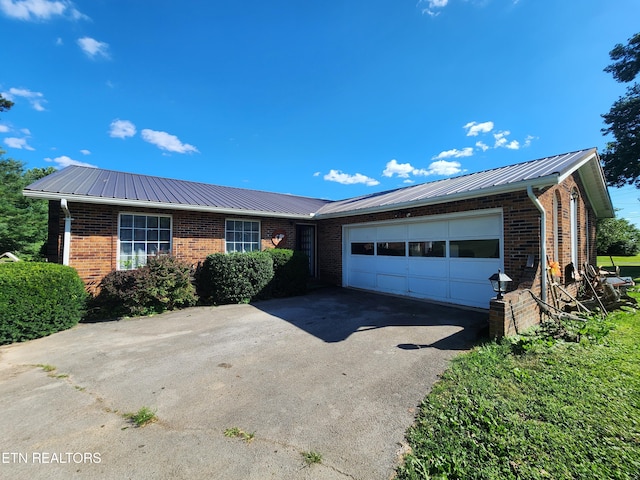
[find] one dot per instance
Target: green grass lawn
(605, 260)
(553, 410)
(629, 266)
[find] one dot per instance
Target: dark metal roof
(104, 186)
(542, 172)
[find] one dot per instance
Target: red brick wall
(94, 239)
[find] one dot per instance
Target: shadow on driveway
(333, 314)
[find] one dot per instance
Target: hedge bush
(164, 283)
(290, 272)
(234, 277)
(38, 299)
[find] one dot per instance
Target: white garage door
(444, 259)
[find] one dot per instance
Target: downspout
(543, 242)
(66, 242)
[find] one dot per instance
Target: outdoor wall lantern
(499, 283)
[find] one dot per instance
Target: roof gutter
(543, 242)
(66, 243)
(166, 206)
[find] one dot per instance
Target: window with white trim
(140, 237)
(242, 235)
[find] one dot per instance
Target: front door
(306, 242)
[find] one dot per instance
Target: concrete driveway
(337, 372)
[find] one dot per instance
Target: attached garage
(446, 258)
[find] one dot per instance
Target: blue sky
(324, 99)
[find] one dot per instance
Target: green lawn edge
(558, 411)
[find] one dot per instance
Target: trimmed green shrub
(290, 272)
(234, 277)
(164, 283)
(38, 299)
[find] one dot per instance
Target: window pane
(242, 236)
(141, 236)
(139, 221)
(362, 248)
(392, 249)
(474, 248)
(126, 220)
(428, 249)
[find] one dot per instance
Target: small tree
(621, 157)
(23, 221)
(5, 104)
(617, 236)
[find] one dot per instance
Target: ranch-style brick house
(438, 241)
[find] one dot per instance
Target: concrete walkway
(337, 372)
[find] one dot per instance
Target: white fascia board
(166, 206)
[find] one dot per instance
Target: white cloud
(430, 6)
(528, 139)
(482, 146)
(35, 98)
(444, 167)
(346, 179)
(166, 141)
(19, 143)
(316, 174)
(503, 142)
(4, 129)
(454, 153)
(475, 128)
(64, 161)
(84, 151)
(122, 129)
(40, 9)
(93, 48)
(403, 170)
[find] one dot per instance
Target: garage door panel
(394, 265)
(362, 234)
(472, 294)
(428, 231)
(391, 232)
(429, 267)
(362, 262)
(392, 283)
(362, 280)
(475, 227)
(428, 288)
(477, 270)
(398, 267)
